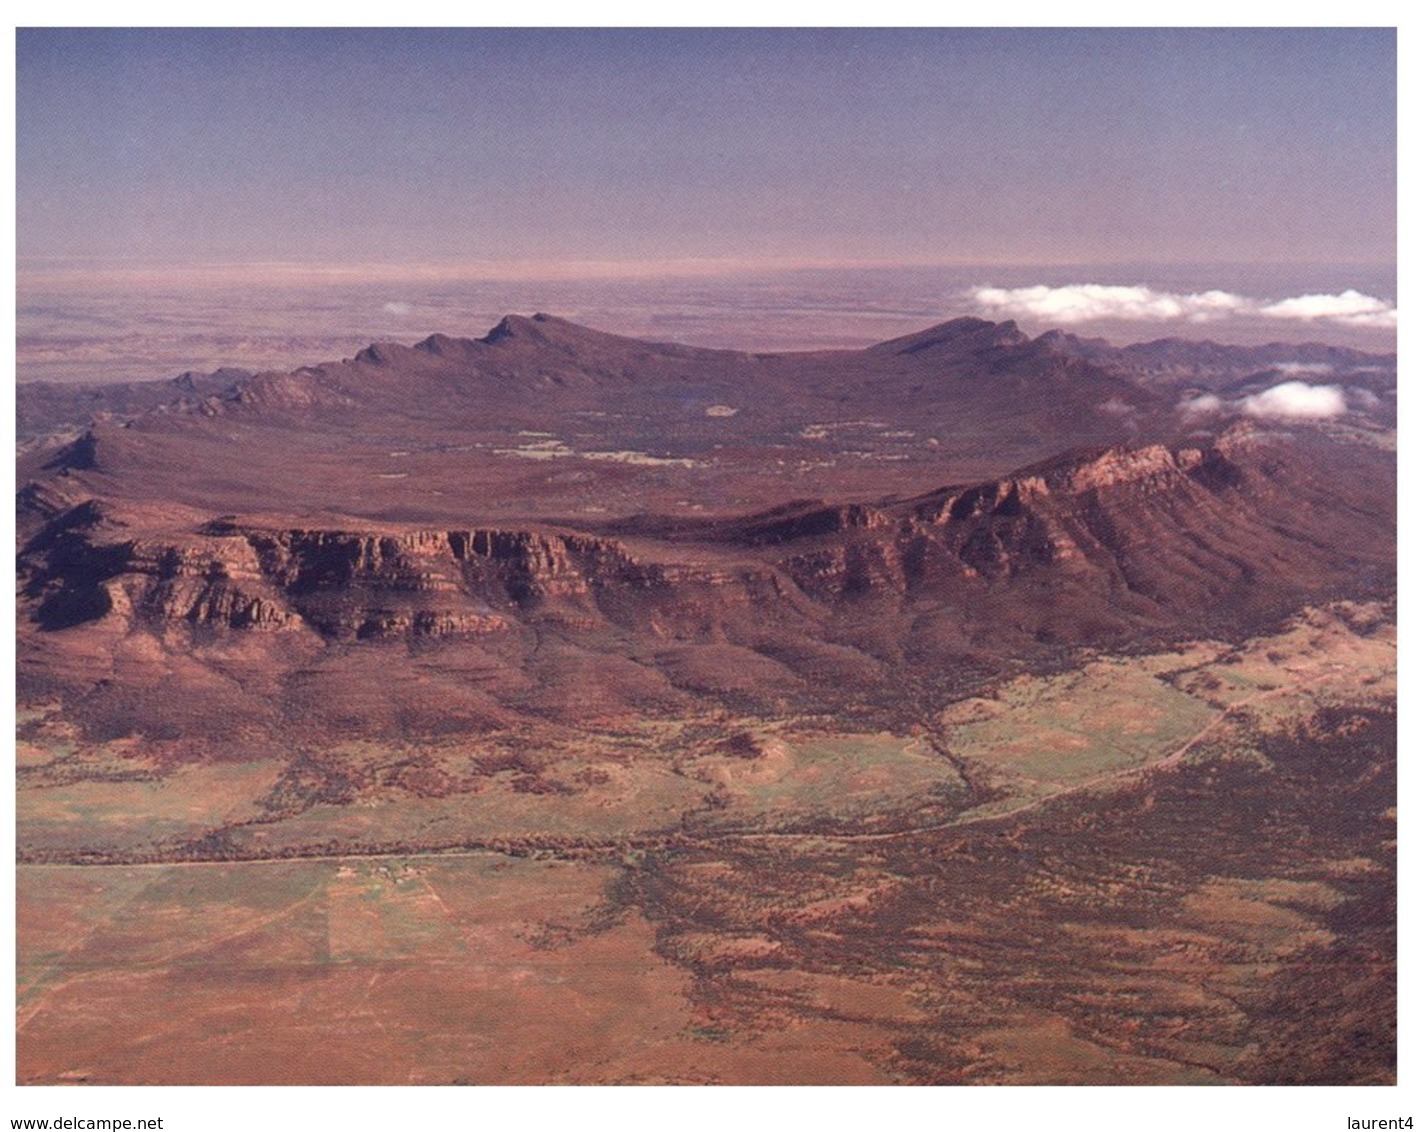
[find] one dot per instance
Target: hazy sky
(147, 147)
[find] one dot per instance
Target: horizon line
(62, 271)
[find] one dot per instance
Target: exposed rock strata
(1164, 530)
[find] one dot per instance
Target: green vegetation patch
(1108, 716)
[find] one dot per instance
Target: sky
(637, 152)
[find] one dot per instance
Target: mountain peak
(958, 337)
(538, 327)
(510, 326)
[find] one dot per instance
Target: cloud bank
(1295, 400)
(1095, 302)
(1348, 307)
(1290, 400)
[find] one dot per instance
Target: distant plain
(78, 326)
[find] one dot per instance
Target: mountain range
(982, 501)
(551, 706)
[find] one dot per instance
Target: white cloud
(1290, 400)
(1208, 404)
(1350, 308)
(1292, 369)
(397, 308)
(1296, 399)
(1086, 302)
(1092, 302)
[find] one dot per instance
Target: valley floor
(1168, 868)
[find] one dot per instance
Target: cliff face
(1170, 531)
(1192, 530)
(153, 619)
(81, 567)
(357, 585)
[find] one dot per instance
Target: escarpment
(1239, 524)
(1233, 527)
(356, 585)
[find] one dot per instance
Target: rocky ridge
(1161, 527)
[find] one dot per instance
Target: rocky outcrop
(959, 338)
(301, 390)
(212, 604)
(43, 407)
(795, 523)
(78, 455)
(81, 567)
(530, 565)
(1170, 526)
(359, 585)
